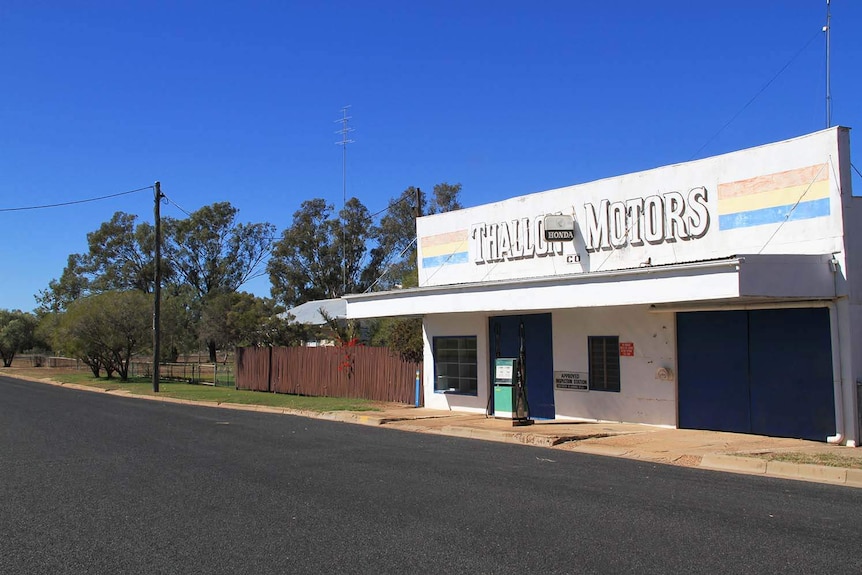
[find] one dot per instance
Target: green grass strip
(208, 393)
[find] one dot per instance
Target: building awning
(738, 278)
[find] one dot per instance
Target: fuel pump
(510, 385)
(522, 406)
(494, 375)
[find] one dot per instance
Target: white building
(720, 294)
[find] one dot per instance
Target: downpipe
(838, 438)
(837, 342)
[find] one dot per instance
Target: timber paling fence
(374, 373)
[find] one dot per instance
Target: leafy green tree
(401, 335)
(17, 334)
(206, 254)
(398, 253)
(445, 198)
(58, 328)
(73, 284)
(106, 330)
(235, 319)
(212, 252)
(321, 256)
(215, 255)
(247, 319)
(395, 253)
(179, 317)
(120, 256)
(242, 320)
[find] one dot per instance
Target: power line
(763, 89)
(390, 206)
(790, 213)
(75, 201)
(385, 271)
(176, 205)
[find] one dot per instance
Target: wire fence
(221, 374)
(217, 374)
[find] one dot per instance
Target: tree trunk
(211, 347)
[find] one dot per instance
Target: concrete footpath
(722, 451)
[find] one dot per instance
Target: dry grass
(827, 459)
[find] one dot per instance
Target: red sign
(627, 348)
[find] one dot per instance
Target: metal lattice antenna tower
(344, 131)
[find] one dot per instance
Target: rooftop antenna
(828, 30)
(344, 131)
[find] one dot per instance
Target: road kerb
(854, 477)
(810, 472)
(733, 463)
(601, 450)
(473, 433)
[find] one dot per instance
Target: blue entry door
(504, 341)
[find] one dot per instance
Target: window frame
(602, 378)
(467, 344)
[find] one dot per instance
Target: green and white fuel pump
(510, 392)
(505, 374)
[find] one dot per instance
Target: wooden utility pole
(157, 288)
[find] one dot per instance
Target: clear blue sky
(237, 101)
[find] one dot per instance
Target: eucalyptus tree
(213, 254)
(120, 256)
(206, 254)
(396, 236)
(323, 254)
(396, 254)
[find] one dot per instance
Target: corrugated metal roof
(309, 312)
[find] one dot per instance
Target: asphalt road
(91, 483)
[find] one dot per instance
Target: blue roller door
(762, 371)
(792, 394)
(712, 349)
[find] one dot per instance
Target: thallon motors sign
(606, 225)
(559, 228)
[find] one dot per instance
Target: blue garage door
(504, 337)
(792, 394)
(712, 350)
(763, 371)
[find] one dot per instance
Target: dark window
(604, 362)
(455, 364)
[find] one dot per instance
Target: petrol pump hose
(522, 375)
